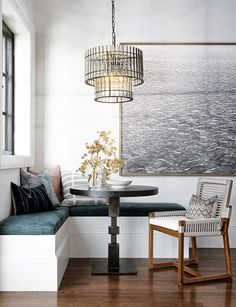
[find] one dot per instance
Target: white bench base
(38, 262)
(33, 262)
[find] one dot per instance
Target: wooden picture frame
(199, 79)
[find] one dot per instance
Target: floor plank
(147, 289)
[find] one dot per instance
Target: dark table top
(112, 191)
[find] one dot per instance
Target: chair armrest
(201, 227)
(203, 221)
(167, 213)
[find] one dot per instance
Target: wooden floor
(158, 288)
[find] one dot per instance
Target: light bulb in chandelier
(113, 89)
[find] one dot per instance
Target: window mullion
(8, 74)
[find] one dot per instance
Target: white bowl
(118, 183)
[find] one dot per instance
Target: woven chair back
(221, 188)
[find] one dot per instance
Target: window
(18, 74)
(8, 90)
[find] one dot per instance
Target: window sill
(15, 161)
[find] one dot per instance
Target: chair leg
(180, 258)
(150, 249)
(218, 276)
(227, 252)
(194, 249)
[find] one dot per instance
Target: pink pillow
(55, 175)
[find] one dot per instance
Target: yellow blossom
(101, 153)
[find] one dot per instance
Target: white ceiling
(138, 20)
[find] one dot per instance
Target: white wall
(66, 115)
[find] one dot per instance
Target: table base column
(113, 256)
(114, 265)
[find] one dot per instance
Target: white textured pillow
(69, 179)
(202, 208)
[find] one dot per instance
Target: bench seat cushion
(43, 223)
(126, 209)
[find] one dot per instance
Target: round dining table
(114, 265)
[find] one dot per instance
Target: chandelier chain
(113, 23)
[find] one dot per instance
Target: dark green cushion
(126, 209)
(48, 223)
(43, 223)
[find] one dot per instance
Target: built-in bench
(35, 248)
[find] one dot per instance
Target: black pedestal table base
(114, 265)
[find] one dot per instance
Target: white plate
(118, 183)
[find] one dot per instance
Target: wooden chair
(176, 224)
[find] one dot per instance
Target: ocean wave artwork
(183, 118)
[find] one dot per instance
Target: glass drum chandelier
(113, 70)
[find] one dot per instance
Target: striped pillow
(30, 200)
(69, 179)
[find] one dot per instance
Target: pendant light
(113, 70)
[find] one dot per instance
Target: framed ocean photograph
(182, 120)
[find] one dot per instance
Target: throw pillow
(201, 208)
(29, 180)
(55, 175)
(69, 179)
(30, 200)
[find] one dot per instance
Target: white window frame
(15, 15)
